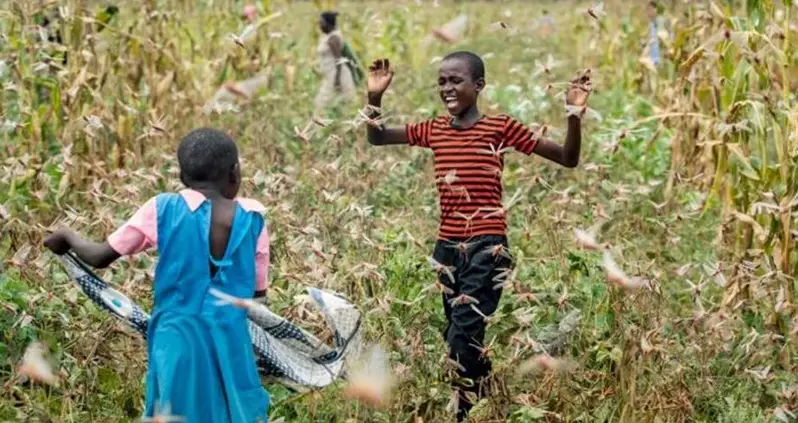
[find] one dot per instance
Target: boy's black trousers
(479, 264)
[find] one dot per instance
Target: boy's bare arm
(380, 76)
(579, 90)
(95, 254)
(383, 135)
(566, 154)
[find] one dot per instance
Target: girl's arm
(98, 255)
(137, 234)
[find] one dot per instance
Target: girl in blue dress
(201, 362)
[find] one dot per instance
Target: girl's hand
(58, 242)
(380, 76)
(579, 89)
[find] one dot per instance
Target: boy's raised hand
(380, 76)
(579, 89)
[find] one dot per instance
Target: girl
(201, 363)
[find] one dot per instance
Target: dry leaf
(35, 365)
(617, 276)
(544, 363)
(370, 379)
(587, 240)
(597, 11)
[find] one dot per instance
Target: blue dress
(201, 363)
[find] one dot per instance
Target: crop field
(687, 179)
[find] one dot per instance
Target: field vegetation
(688, 175)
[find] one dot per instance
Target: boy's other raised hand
(380, 76)
(579, 89)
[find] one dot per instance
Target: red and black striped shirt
(468, 170)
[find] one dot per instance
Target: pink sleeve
(262, 260)
(138, 234)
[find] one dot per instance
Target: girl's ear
(480, 84)
(235, 174)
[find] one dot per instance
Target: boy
(468, 153)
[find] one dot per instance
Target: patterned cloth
(285, 352)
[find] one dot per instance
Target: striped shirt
(468, 170)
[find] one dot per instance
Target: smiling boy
(468, 149)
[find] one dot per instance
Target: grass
(665, 196)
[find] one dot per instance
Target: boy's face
(457, 88)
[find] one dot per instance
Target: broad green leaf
(533, 413)
(748, 170)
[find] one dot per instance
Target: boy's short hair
(206, 155)
(475, 63)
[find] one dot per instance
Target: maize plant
(654, 282)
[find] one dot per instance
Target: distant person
(545, 23)
(248, 60)
(338, 81)
(250, 13)
(655, 25)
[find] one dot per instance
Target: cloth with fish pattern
(285, 352)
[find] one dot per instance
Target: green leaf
(533, 413)
(109, 379)
(748, 170)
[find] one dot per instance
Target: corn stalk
(737, 66)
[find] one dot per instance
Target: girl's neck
(210, 191)
(468, 118)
